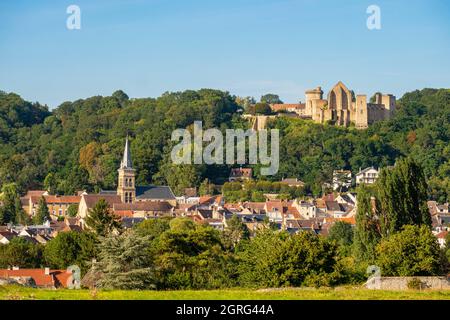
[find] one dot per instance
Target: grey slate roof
(347, 198)
(130, 222)
(108, 192)
(366, 169)
(154, 193)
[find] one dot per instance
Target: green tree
(402, 196)
(21, 253)
(262, 108)
(274, 259)
(271, 98)
(70, 248)
(72, 211)
(125, 262)
(152, 228)
(121, 96)
(101, 220)
(12, 211)
(342, 233)
(42, 213)
(182, 224)
(367, 229)
(414, 251)
(188, 255)
(50, 183)
(235, 232)
(206, 188)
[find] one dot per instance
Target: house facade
(367, 176)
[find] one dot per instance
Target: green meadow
(339, 293)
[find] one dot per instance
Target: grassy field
(341, 293)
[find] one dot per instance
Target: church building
(129, 200)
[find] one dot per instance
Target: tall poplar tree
(42, 213)
(402, 196)
(11, 210)
(367, 229)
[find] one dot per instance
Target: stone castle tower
(126, 188)
(343, 107)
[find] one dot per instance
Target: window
(60, 212)
(128, 197)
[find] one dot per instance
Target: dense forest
(78, 145)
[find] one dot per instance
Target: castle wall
(361, 112)
(388, 101)
(342, 110)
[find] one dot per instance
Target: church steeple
(126, 187)
(126, 160)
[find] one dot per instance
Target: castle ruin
(342, 107)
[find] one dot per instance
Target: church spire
(126, 161)
(126, 187)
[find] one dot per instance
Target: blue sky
(246, 47)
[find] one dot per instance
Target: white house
(306, 209)
(342, 179)
(367, 176)
(441, 237)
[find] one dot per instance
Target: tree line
(78, 145)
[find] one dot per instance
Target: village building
(307, 210)
(441, 238)
(293, 182)
(342, 180)
(240, 174)
(367, 176)
(41, 278)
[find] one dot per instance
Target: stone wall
(401, 283)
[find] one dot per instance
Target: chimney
(47, 271)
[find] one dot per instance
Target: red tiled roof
(124, 213)
(56, 278)
(34, 193)
(286, 106)
(350, 220)
(57, 199)
(293, 211)
(143, 206)
(442, 234)
(241, 172)
(278, 205)
(205, 199)
(254, 205)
